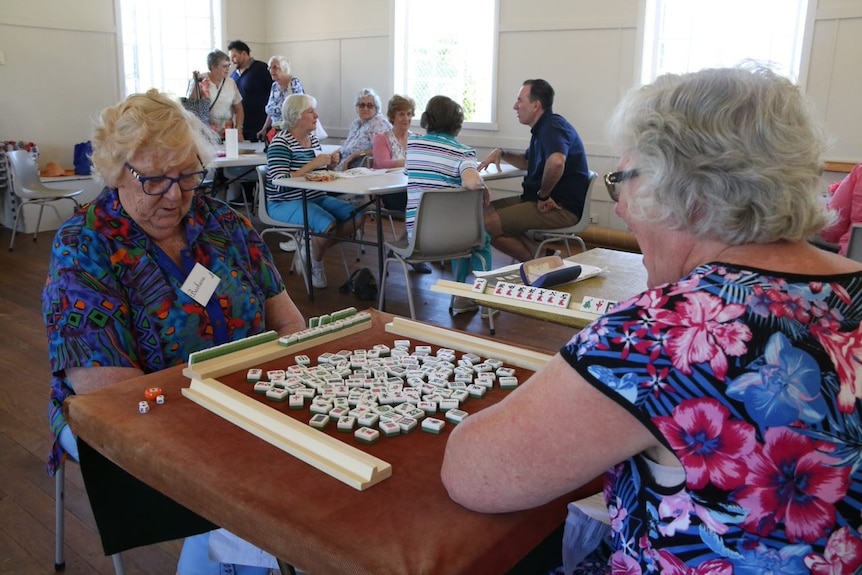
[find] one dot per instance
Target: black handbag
(361, 284)
(197, 104)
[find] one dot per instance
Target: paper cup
(231, 143)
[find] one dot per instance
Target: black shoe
(421, 268)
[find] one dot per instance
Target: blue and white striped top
(434, 161)
(284, 156)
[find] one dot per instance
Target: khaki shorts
(517, 217)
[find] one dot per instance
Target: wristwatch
(541, 199)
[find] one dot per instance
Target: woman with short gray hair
(283, 85)
(722, 403)
(370, 121)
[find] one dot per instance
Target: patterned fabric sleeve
(745, 376)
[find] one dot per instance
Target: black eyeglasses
(366, 105)
(159, 185)
(614, 178)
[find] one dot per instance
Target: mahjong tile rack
(331, 455)
(613, 276)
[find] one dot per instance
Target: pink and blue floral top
(752, 378)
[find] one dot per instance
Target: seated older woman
(437, 160)
(722, 403)
(359, 143)
(293, 153)
(136, 248)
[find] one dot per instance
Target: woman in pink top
(846, 202)
(390, 148)
(390, 151)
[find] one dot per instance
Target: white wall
(587, 50)
(61, 66)
(61, 69)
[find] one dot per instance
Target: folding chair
(449, 225)
(29, 189)
(565, 234)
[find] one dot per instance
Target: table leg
(307, 240)
(380, 248)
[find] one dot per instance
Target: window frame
(646, 31)
(397, 34)
(218, 33)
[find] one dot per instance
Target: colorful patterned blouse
(113, 298)
(277, 96)
(752, 379)
(360, 136)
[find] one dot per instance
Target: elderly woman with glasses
(283, 85)
(221, 91)
(152, 271)
(722, 403)
(359, 143)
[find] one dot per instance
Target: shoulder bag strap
(217, 94)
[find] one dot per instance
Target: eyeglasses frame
(144, 179)
(614, 178)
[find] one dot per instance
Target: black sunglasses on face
(614, 178)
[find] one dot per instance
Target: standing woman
(369, 123)
(283, 85)
(219, 88)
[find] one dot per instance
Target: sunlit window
(447, 47)
(688, 35)
(165, 40)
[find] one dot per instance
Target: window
(447, 47)
(163, 41)
(688, 35)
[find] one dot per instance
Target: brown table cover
(406, 524)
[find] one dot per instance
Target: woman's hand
(321, 161)
(335, 158)
(494, 157)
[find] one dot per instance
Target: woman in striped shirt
(295, 152)
(437, 160)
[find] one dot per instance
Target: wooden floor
(26, 490)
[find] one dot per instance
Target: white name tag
(200, 284)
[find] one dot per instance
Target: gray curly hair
(730, 154)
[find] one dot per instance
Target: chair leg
(344, 262)
(39, 220)
(409, 289)
(60, 525)
(59, 518)
(392, 225)
(580, 240)
(15, 225)
(119, 566)
(381, 298)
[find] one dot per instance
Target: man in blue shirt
(557, 177)
(254, 83)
